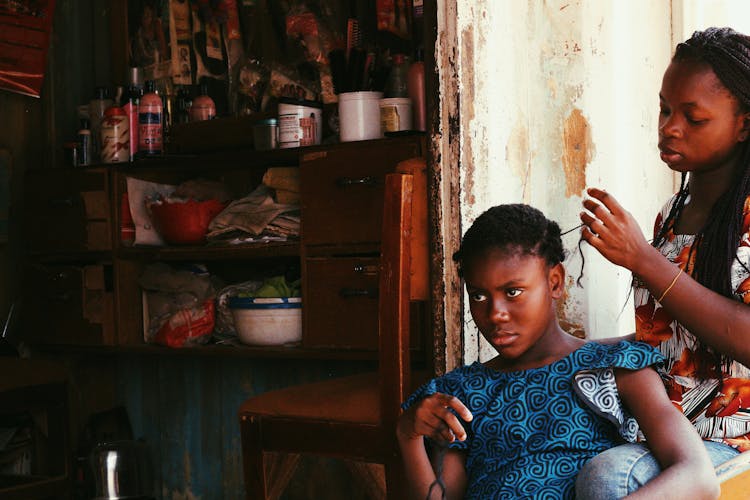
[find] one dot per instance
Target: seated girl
(524, 423)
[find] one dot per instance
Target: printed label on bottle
(149, 132)
(115, 139)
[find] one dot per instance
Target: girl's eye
(694, 121)
(477, 297)
(514, 292)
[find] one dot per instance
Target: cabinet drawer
(66, 304)
(340, 303)
(68, 211)
(342, 192)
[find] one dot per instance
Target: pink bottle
(150, 120)
(203, 107)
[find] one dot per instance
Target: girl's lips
(504, 339)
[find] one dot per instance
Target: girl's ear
(556, 279)
(745, 130)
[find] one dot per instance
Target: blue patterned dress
(534, 429)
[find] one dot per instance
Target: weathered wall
(541, 99)
(555, 96)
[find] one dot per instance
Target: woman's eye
(514, 292)
(477, 297)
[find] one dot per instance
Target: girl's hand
(432, 417)
(613, 231)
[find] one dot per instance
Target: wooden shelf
(217, 252)
(214, 350)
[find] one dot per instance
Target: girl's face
(512, 300)
(700, 125)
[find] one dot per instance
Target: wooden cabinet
(68, 210)
(82, 287)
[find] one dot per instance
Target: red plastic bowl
(184, 223)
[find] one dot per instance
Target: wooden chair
(734, 477)
(351, 417)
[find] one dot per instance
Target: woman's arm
(718, 321)
(687, 471)
(431, 417)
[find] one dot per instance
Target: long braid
(715, 247)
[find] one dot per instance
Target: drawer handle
(60, 276)
(348, 181)
(358, 292)
(366, 269)
(61, 202)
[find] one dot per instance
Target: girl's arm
(431, 417)
(687, 471)
(718, 321)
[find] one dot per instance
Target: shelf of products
(84, 273)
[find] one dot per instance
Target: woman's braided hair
(727, 52)
(513, 228)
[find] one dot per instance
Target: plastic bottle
(130, 102)
(396, 84)
(115, 136)
(415, 85)
(85, 146)
(150, 122)
(131, 99)
(97, 106)
(203, 107)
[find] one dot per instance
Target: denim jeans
(621, 470)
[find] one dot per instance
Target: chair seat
(352, 399)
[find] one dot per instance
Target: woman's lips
(669, 155)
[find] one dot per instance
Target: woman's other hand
(613, 231)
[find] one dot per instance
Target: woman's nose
(670, 127)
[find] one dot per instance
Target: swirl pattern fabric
(531, 431)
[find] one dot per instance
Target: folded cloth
(286, 178)
(254, 214)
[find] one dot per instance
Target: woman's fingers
(607, 200)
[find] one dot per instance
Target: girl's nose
(499, 313)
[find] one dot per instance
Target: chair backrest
(394, 292)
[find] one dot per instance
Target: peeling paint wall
(556, 96)
(544, 98)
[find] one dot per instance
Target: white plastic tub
(267, 321)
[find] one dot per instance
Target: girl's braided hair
(727, 52)
(514, 228)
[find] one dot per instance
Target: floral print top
(717, 405)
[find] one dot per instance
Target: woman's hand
(432, 417)
(613, 231)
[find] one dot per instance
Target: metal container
(265, 134)
(122, 470)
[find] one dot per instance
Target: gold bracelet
(669, 287)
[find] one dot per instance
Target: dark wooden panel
(342, 190)
(340, 305)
